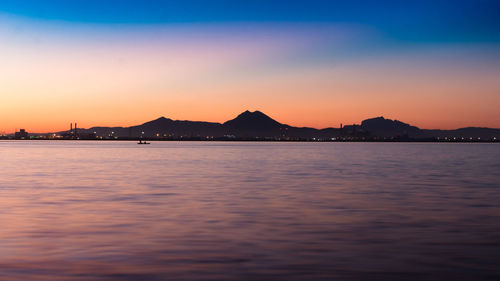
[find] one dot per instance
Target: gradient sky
(434, 64)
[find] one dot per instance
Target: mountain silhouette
(253, 121)
(382, 127)
(254, 124)
(257, 125)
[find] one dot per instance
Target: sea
(106, 210)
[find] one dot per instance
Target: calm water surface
(249, 211)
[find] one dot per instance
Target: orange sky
(300, 76)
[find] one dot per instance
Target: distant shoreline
(260, 140)
(257, 126)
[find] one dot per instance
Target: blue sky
(418, 21)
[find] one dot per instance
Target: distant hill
(253, 121)
(161, 127)
(473, 133)
(257, 125)
(249, 124)
(382, 127)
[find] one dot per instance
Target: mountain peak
(160, 120)
(383, 122)
(387, 127)
(253, 121)
(250, 113)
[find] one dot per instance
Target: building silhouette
(21, 135)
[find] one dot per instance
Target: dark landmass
(246, 126)
(258, 126)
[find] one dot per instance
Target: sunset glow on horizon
(59, 65)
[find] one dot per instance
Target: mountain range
(257, 125)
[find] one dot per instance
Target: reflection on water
(249, 211)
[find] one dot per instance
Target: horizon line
(255, 111)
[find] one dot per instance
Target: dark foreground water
(249, 211)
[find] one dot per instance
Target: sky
(433, 64)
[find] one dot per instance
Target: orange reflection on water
(246, 211)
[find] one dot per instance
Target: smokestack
(70, 128)
(76, 127)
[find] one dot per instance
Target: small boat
(143, 142)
